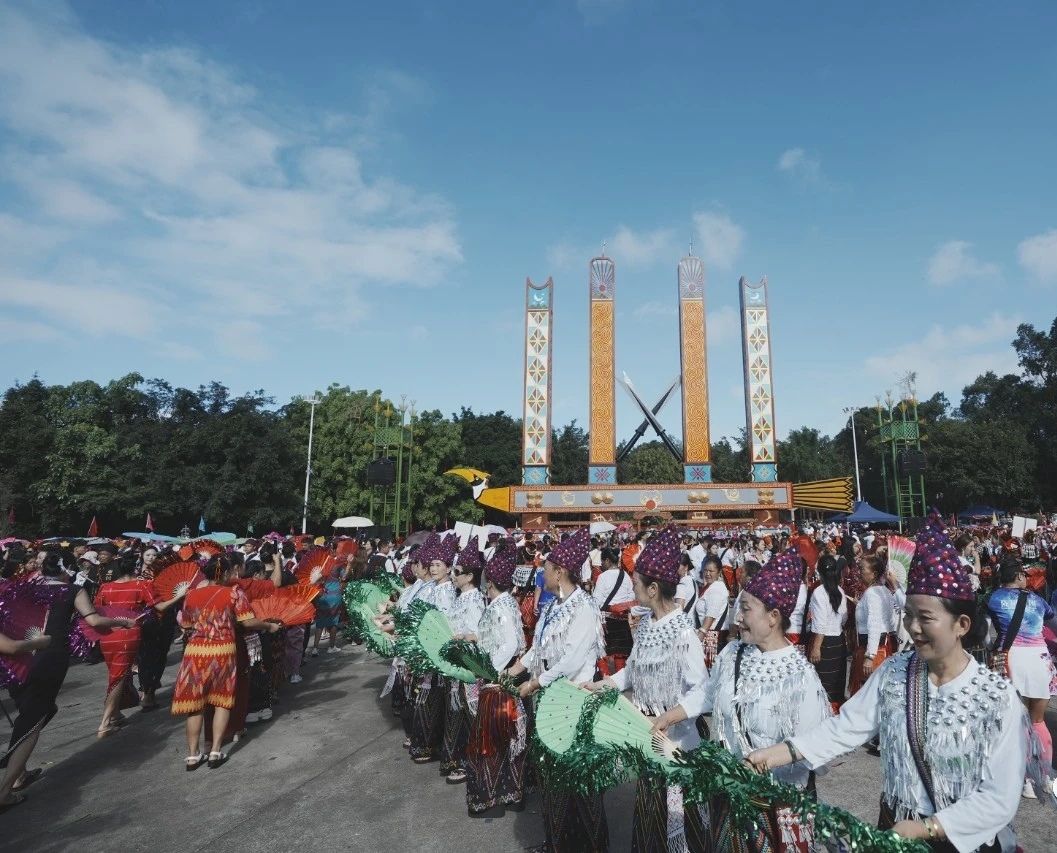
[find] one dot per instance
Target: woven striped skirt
(832, 668)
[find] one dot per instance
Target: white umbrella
(602, 527)
(353, 521)
(495, 528)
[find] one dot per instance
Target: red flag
(150, 523)
(93, 528)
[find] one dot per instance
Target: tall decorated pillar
(759, 390)
(536, 423)
(693, 354)
(602, 443)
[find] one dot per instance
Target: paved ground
(327, 773)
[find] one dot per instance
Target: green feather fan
(463, 653)
(558, 710)
(422, 630)
(363, 601)
(620, 724)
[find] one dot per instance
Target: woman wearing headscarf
(953, 734)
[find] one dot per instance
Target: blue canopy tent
(975, 513)
(863, 513)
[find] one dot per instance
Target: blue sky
(283, 195)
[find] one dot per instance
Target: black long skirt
(456, 731)
(832, 669)
(155, 641)
(427, 718)
(575, 824)
(649, 828)
(493, 776)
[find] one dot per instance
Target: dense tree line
(133, 446)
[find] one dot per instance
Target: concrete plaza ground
(327, 773)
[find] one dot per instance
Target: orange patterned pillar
(602, 443)
(693, 354)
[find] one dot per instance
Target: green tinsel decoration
(587, 767)
(705, 772)
(362, 602)
(407, 645)
(468, 655)
(387, 582)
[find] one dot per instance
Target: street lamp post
(315, 401)
(855, 452)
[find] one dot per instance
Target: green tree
(569, 449)
(730, 459)
(492, 443)
(649, 463)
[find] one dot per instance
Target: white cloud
(1038, 255)
(624, 246)
(227, 199)
(724, 325)
(657, 309)
(800, 165)
(953, 261)
(720, 239)
(946, 358)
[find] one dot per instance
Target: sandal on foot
(216, 759)
(28, 778)
(193, 762)
(106, 731)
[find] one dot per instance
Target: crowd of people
(788, 648)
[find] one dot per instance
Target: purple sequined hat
(427, 550)
(659, 560)
(447, 549)
(571, 552)
(470, 557)
(500, 570)
(778, 583)
(935, 568)
(407, 572)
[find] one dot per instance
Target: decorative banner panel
(536, 423)
(697, 451)
(591, 499)
(602, 446)
(759, 392)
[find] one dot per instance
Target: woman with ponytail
(829, 649)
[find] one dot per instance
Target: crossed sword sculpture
(651, 420)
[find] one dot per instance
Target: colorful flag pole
(150, 523)
(201, 524)
(93, 528)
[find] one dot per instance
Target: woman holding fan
(35, 696)
(495, 753)
(208, 670)
(953, 734)
(567, 643)
(762, 689)
(666, 668)
(465, 618)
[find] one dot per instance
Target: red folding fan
(112, 611)
(256, 587)
(286, 611)
(23, 617)
(314, 566)
(177, 578)
(200, 547)
(303, 592)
